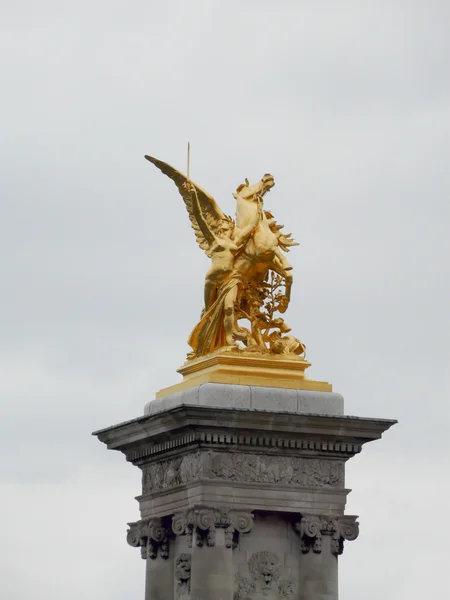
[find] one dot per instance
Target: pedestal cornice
(203, 425)
(263, 460)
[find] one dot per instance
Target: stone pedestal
(243, 491)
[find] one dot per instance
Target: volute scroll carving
(183, 524)
(310, 534)
(312, 528)
(150, 536)
(201, 523)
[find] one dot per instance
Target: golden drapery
(209, 333)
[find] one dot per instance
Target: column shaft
(318, 574)
(212, 571)
(159, 579)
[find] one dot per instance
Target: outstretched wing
(211, 211)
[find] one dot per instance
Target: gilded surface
(249, 277)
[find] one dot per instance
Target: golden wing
(211, 211)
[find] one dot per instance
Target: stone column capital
(312, 528)
(202, 521)
(151, 536)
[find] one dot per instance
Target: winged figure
(249, 278)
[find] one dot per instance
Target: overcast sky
(347, 104)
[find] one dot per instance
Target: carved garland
(312, 527)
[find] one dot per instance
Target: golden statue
(249, 278)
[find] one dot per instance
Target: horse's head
(250, 192)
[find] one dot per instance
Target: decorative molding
(150, 536)
(243, 468)
(183, 576)
(197, 438)
(312, 527)
(200, 523)
(265, 570)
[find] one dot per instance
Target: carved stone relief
(183, 577)
(201, 523)
(170, 473)
(264, 582)
(312, 527)
(287, 470)
(242, 467)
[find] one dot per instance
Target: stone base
(243, 491)
(250, 397)
(243, 368)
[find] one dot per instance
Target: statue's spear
(188, 159)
